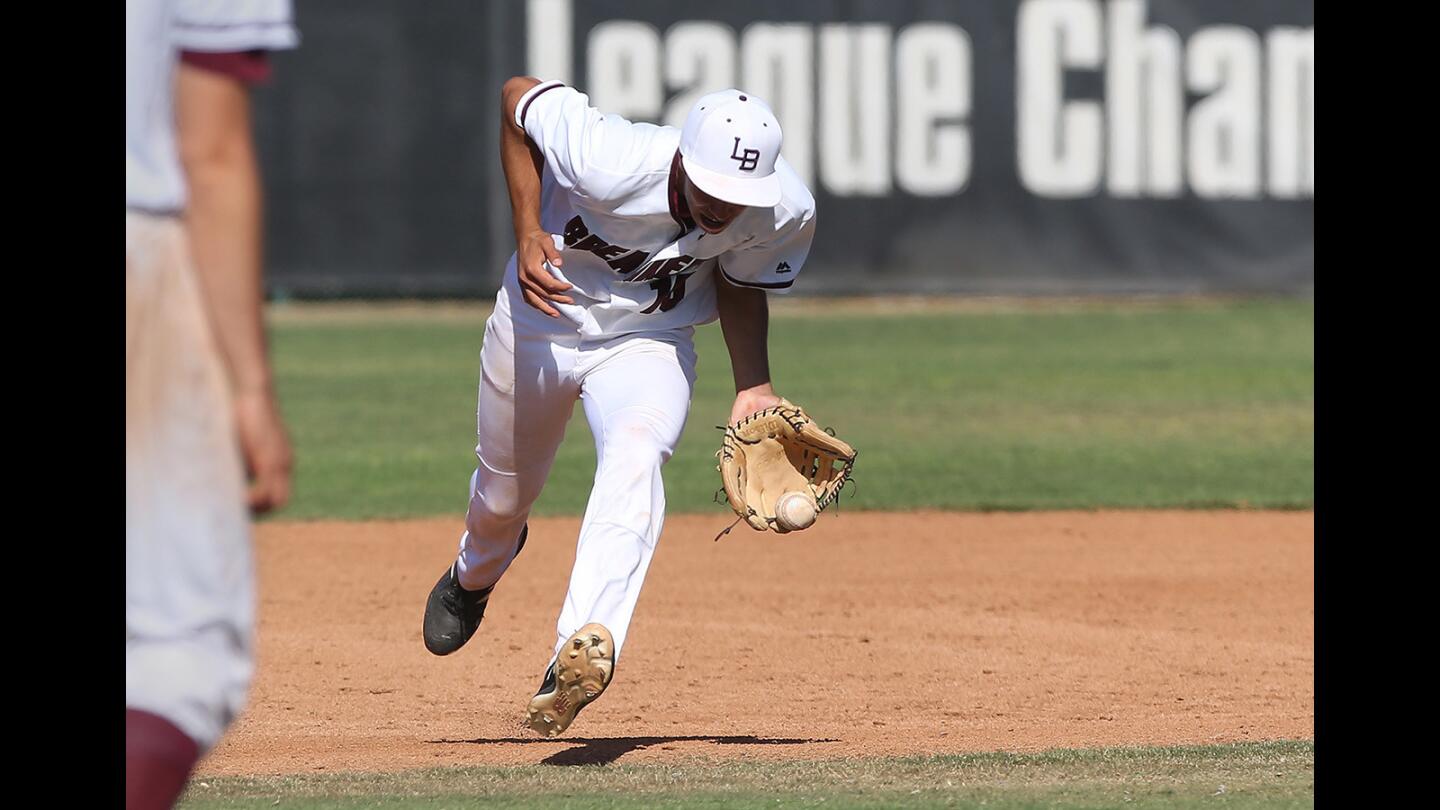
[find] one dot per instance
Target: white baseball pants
(189, 571)
(636, 393)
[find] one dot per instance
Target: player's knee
(496, 509)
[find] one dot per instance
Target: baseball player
(200, 409)
(628, 236)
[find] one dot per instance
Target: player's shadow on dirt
(605, 750)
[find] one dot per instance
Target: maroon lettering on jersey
(610, 251)
(624, 260)
(626, 264)
(592, 243)
(669, 291)
(665, 268)
(575, 230)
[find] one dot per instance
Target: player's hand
(537, 285)
(265, 447)
(751, 400)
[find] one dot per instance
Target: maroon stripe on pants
(158, 759)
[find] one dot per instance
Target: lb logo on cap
(749, 160)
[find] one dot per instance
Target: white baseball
(795, 510)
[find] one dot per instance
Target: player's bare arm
(223, 220)
(745, 322)
(523, 164)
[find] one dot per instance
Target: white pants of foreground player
(636, 394)
(189, 573)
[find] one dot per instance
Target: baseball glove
(775, 452)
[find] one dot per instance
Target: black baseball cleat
(453, 614)
(582, 670)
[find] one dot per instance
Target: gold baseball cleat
(581, 672)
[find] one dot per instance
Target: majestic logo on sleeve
(748, 160)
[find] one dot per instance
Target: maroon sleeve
(250, 67)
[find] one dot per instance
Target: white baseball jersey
(155, 31)
(611, 195)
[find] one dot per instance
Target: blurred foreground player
(200, 409)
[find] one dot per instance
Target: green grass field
(1270, 775)
(1183, 404)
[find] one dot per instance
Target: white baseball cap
(728, 147)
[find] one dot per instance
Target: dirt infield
(866, 635)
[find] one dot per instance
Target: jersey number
(669, 291)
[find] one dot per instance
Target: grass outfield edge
(1157, 768)
(281, 518)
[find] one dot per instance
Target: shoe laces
(457, 598)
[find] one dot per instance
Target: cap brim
(762, 192)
